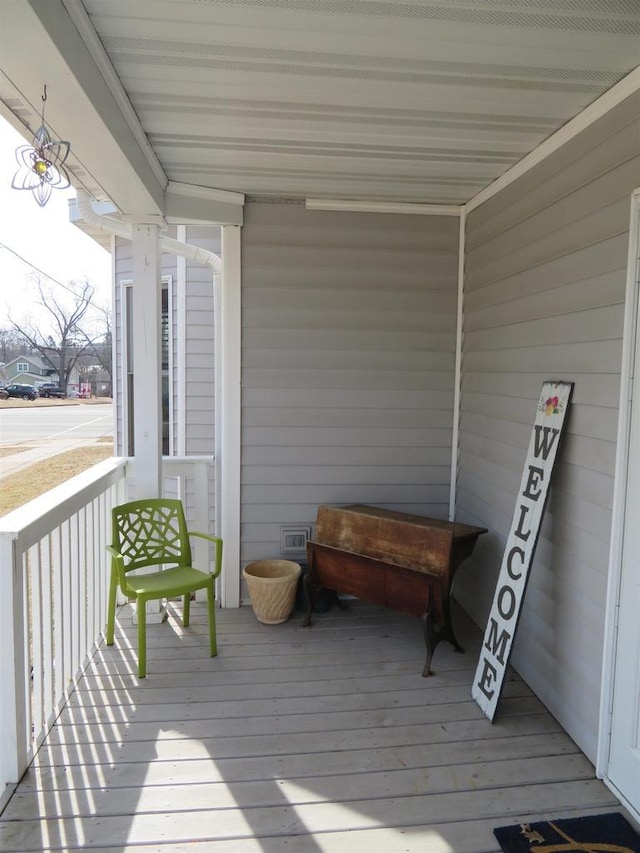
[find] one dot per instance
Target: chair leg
(211, 602)
(141, 607)
(111, 612)
(186, 609)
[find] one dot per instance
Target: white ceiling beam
(81, 106)
(89, 36)
(190, 204)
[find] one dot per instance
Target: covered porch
(322, 739)
(424, 210)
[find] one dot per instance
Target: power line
(37, 269)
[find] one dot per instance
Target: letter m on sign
(521, 544)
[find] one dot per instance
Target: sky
(42, 237)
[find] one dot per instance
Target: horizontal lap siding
(544, 299)
(348, 347)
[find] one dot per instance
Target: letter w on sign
(521, 544)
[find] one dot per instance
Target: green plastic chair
(154, 533)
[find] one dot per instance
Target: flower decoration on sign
(551, 406)
(42, 163)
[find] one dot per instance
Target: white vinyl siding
(347, 365)
(544, 299)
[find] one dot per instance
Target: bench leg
(434, 635)
(448, 629)
(309, 590)
(431, 640)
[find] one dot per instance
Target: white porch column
(147, 343)
(228, 413)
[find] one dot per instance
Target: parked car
(50, 389)
(27, 392)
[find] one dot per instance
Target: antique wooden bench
(402, 561)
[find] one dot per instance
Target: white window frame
(125, 286)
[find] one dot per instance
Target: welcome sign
(521, 545)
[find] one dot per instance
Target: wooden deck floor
(325, 740)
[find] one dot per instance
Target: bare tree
(67, 338)
(100, 348)
(12, 344)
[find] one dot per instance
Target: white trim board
(631, 320)
(457, 390)
(87, 33)
(207, 193)
(355, 206)
(229, 411)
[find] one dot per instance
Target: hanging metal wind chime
(42, 163)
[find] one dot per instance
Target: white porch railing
(54, 579)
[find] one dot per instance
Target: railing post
(197, 469)
(13, 710)
(34, 564)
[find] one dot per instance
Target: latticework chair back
(151, 533)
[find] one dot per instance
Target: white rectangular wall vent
(294, 538)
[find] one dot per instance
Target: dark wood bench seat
(402, 561)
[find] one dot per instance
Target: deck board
(325, 740)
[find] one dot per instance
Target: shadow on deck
(323, 739)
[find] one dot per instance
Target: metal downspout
(167, 244)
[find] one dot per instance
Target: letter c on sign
(512, 553)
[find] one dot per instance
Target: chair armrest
(118, 561)
(217, 541)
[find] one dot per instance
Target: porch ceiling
(405, 100)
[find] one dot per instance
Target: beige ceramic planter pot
(272, 588)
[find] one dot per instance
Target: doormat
(605, 833)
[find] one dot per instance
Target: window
(128, 367)
(165, 357)
(165, 367)
(22, 367)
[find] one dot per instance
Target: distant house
(33, 370)
(29, 370)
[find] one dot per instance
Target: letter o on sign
(506, 592)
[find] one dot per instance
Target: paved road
(48, 430)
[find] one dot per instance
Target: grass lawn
(23, 486)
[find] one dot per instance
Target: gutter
(167, 244)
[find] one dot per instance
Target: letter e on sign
(521, 544)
